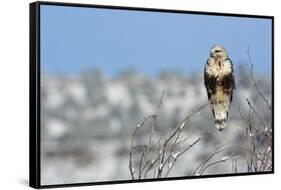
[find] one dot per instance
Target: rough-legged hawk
(219, 83)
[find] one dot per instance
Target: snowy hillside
(87, 120)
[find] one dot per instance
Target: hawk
(219, 83)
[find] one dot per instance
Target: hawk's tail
(220, 124)
(220, 111)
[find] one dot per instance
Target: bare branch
(254, 110)
(251, 69)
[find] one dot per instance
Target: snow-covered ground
(87, 120)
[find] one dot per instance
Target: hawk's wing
(210, 82)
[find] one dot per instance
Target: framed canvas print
(122, 94)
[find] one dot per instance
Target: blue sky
(74, 39)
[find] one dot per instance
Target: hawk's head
(218, 51)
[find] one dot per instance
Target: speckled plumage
(219, 83)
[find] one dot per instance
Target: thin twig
(180, 154)
(254, 110)
(251, 69)
(132, 172)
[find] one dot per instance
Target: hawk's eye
(217, 51)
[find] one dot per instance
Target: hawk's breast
(218, 70)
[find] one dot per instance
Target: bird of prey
(219, 83)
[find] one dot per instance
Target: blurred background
(103, 71)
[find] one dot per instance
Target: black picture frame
(34, 93)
